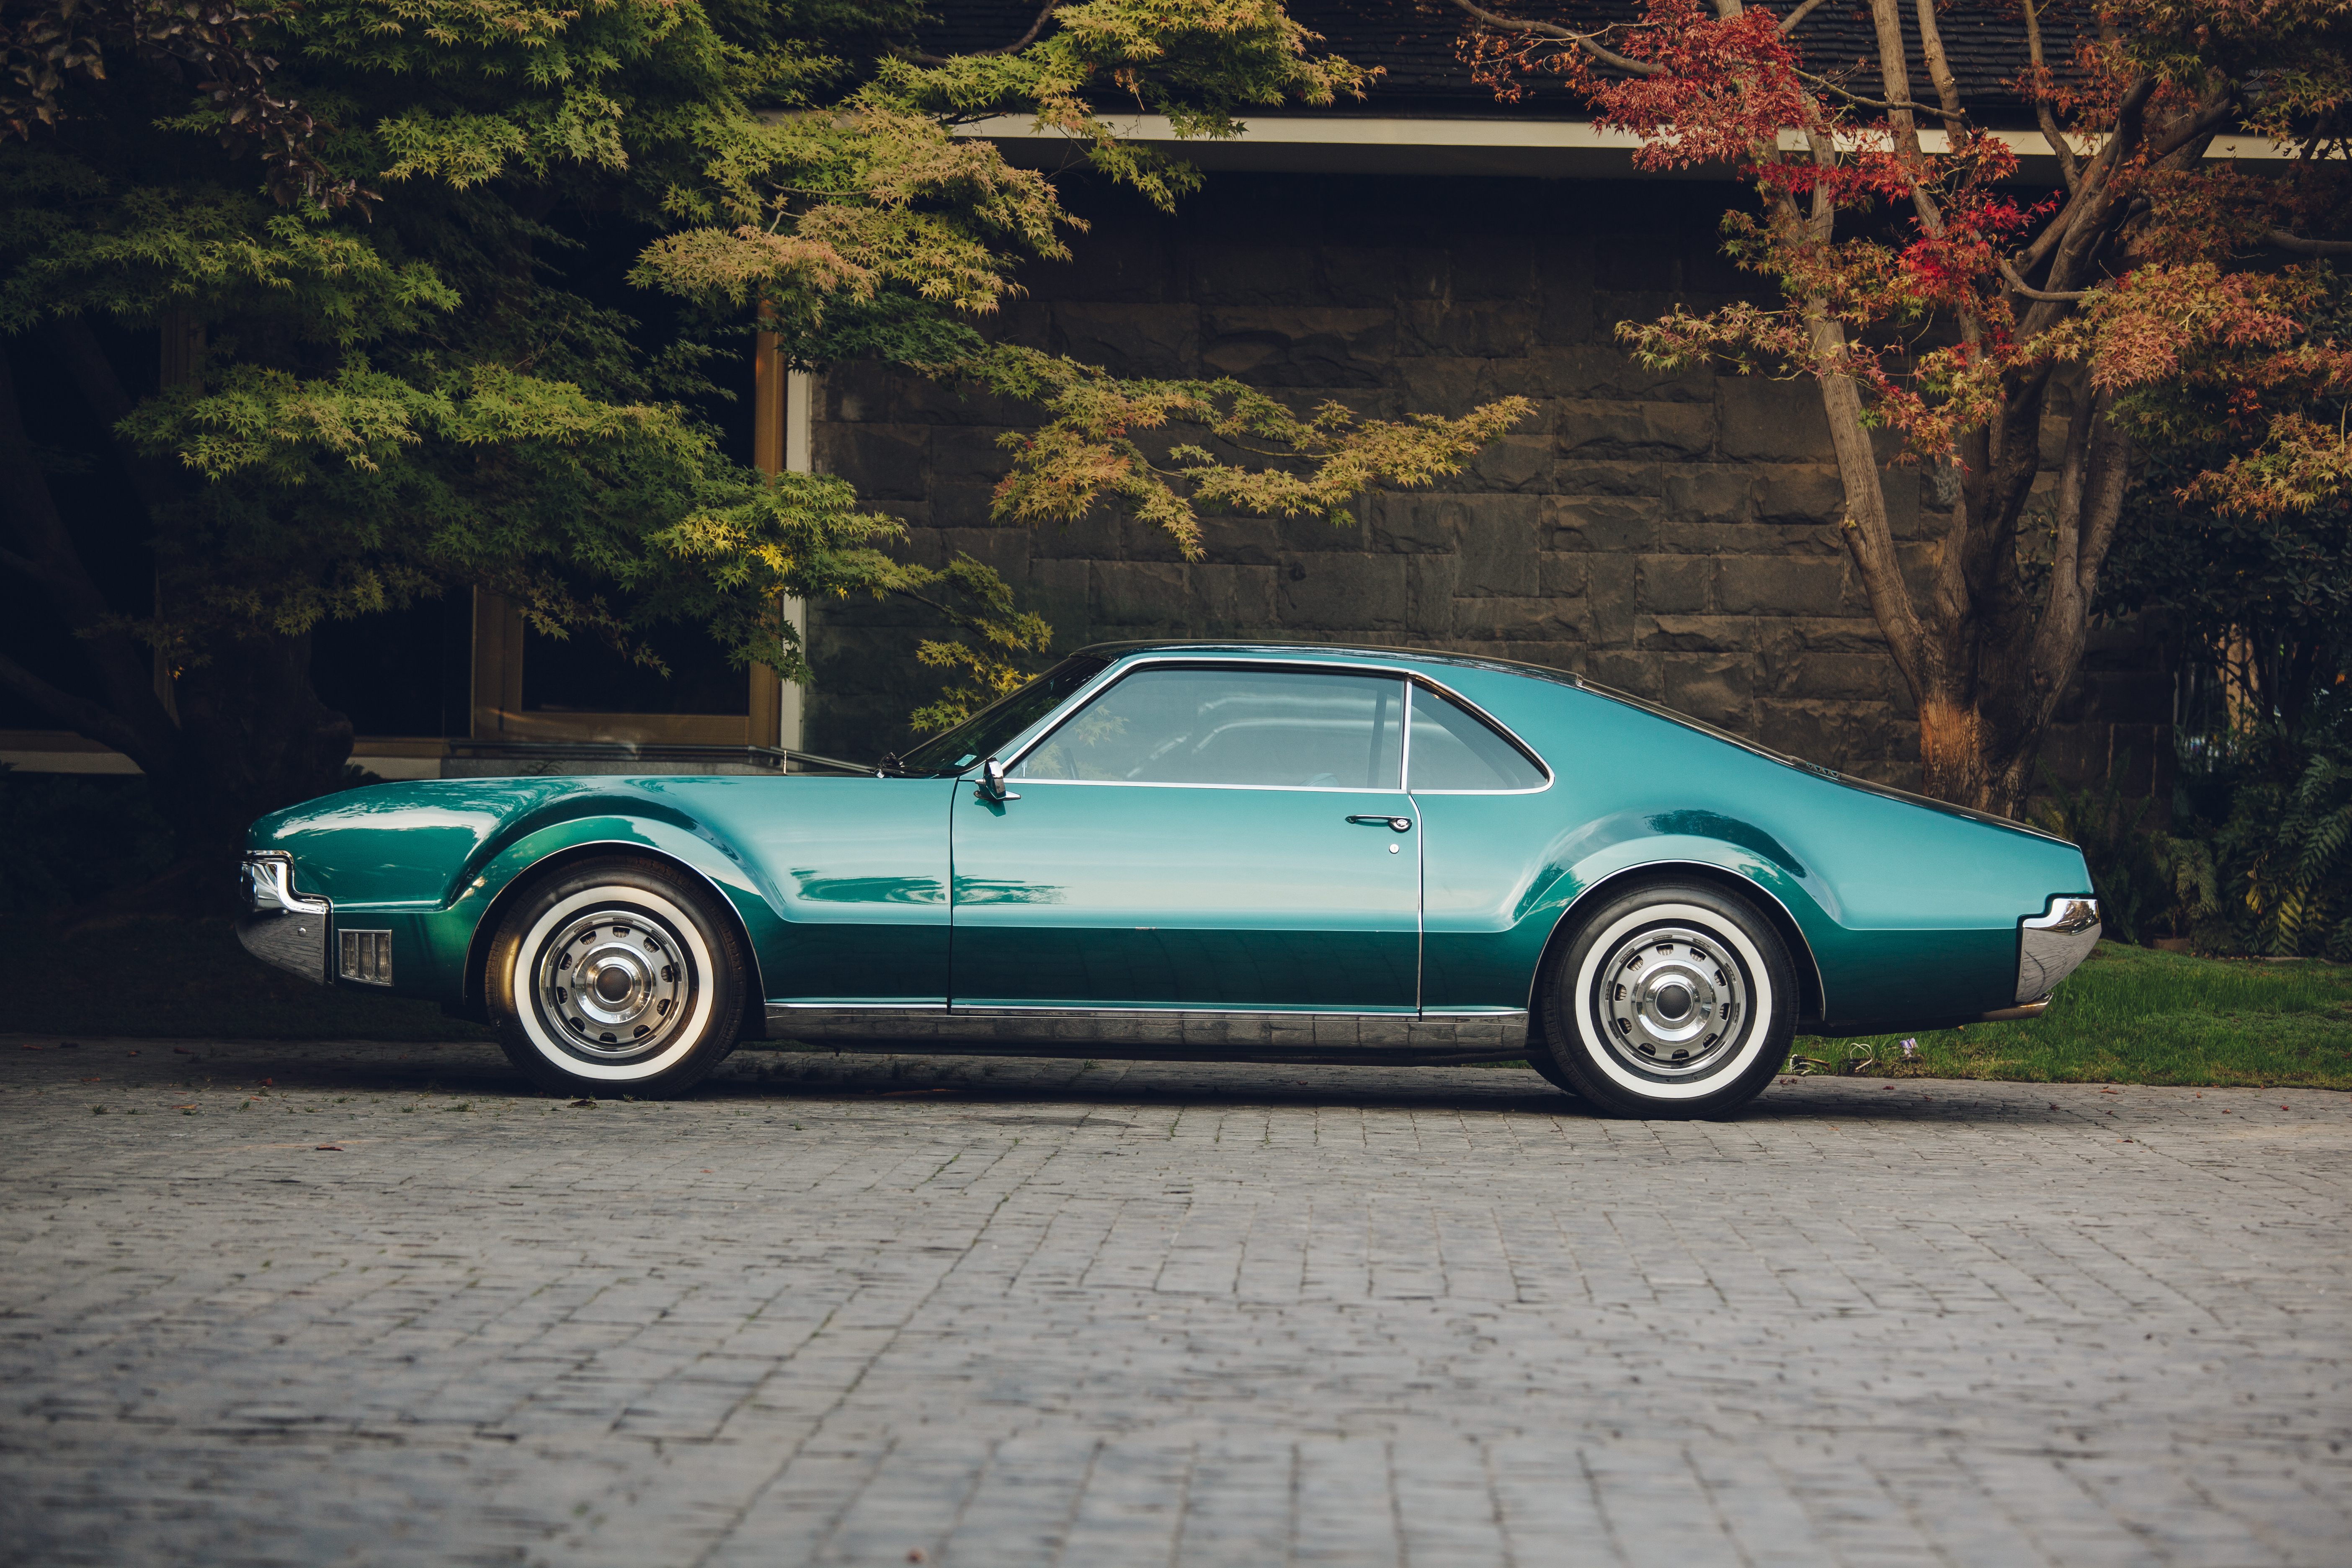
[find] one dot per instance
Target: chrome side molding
(1048, 1031)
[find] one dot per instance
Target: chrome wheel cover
(1671, 1002)
(612, 984)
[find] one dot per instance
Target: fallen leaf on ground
(330, 1148)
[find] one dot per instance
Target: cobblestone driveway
(845, 1310)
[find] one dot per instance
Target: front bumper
(2050, 945)
(283, 928)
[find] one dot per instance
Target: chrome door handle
(1401, 823)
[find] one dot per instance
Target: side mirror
(992, 781)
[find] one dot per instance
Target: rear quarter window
(1454, 751)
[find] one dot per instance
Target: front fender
(436, 917)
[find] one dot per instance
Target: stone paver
(844, 1309)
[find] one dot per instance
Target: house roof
(1415, 45)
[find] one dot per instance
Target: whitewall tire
(616, 976)
(1674, 999)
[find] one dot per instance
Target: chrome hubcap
(612, 984)
(1670, 1001)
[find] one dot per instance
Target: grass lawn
(2132, 1014)
(2128, 1016)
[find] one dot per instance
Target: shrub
(2275, 876)
(2134, 885)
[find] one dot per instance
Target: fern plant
(2276, 877)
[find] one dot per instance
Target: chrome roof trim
(1143, 655)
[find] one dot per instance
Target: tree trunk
(250, 735)
(1987, 666)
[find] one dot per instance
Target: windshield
(987, 730)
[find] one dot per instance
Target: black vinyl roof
(1413, 42)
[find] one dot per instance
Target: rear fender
(1782, 898)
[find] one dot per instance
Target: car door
(857, 869)
(1198, 837)
(1486, 823)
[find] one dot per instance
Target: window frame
(1086, 696)
(1477, 715)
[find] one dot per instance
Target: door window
(1264, 728)
(1454, 750)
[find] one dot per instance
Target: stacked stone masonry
(1675, 534)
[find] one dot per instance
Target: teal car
(1199, 851)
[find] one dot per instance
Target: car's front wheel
(617, 976)
(1674, 999)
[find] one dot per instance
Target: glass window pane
(992, 726)
(1454, 749)
(1260, 726)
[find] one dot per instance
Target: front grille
(367, 957)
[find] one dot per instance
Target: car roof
(1276, 651)
(1321, 651)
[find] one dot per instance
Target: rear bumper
(2050, 945)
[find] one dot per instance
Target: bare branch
(1894, 72)
(2021, 287)
(2068, 170)
(1045, 15)
(2303, 247)
(47, 576)
(79, 714)
(1854, 98)
(2186, 131)
(85, 364)
(1589, 42)
(1790, 22)
(1939, 66)
(42, 540)
(2089, 190)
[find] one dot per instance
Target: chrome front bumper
(2050, 945)
(283, 927)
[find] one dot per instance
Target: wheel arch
(518, 886)
(1811, 994)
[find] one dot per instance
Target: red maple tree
(2160, 294)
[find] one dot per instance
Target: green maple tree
(366, 207)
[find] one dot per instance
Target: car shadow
(802, 1075)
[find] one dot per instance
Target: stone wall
(1673, 535)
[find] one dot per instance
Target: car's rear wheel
(618, 976)
(1674, 999)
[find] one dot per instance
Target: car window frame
(1478, 715)
(1080, 699)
